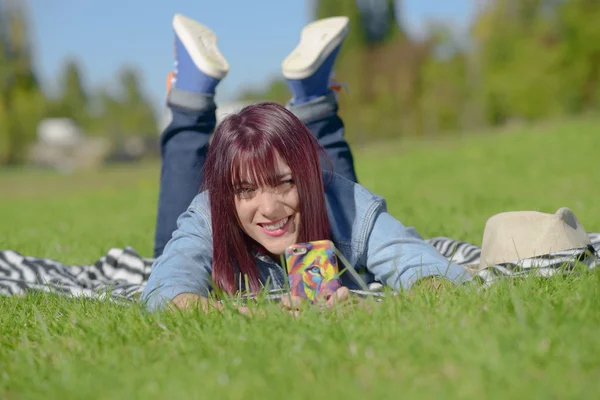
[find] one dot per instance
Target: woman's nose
(270, 203)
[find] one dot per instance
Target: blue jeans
(184, 143)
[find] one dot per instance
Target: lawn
(534, 339)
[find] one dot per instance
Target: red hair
(247, 143)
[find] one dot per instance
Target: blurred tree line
(522, 60)
(23, 103)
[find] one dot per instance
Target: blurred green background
(517, 62)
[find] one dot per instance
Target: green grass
(534, 339)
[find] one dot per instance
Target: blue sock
(189, 77)
(316, 85)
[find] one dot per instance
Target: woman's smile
(278, 228)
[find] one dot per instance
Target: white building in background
(61, 145)
(59, 132)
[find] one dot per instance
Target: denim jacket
(361, 228)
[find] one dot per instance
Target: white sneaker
(201, 45)
(317, 41)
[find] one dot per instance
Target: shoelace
(336, 86)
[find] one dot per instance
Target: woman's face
(270, 215)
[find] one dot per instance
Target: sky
(253, 35)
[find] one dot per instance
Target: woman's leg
(321, 117)
(184, 142)
(307, 71)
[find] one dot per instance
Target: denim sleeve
(398, 257)
(185, 265)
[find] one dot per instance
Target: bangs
(256, 167)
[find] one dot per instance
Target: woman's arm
(398, 257)
(181, 276)
(186, 263)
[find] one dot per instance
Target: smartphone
(312, 269)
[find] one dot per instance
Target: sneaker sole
(201, 44)
(317, 41)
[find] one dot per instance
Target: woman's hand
(186, 301)
(293, 304)
(432, 284)
(341, 295)
(345, 301)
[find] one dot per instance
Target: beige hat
(513, 236)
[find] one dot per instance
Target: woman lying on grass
(263, 185)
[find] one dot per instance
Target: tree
(21, 98)
(538, 58)
(580, 53)
(23, 104)
(125, 112)
(74, 101)
(5, 76)
(378, 20)
(138, 116)
(107, 118)
(444, 95)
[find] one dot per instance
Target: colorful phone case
(312, 269)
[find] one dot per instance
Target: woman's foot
(199, 65)
(308, 68)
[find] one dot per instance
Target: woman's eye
(245, 192)
(287, 183)
(284, 186)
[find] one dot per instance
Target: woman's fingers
(342, 294)
(291, 302)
